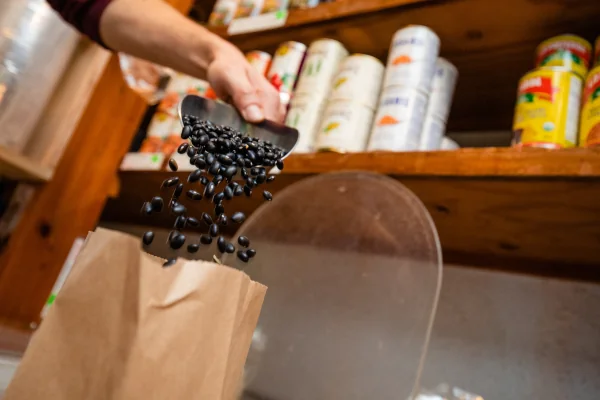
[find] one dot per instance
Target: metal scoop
(223, 114)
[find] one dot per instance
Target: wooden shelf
(21, 168)
(528, 210)
(492, 43)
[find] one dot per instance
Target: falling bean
(183, 148)
(170, 182)
(193, 195)
(177, 241)
(222, 219)
(222, 244)
(209, 190)
(271, 178)
(193, 222)
(178, 191)
(280, 164)
(146, 208)
(178, 209)
(169, 262)
(148, 237)
(207, 219)
(205, 239)
(193, 247)
(238, 217)
(214, 230)
(251, 252)
(243, 255)
(228, 192)
(267, 195)
(230, 248)
(157, 203)
(218, 197)
(243, 241)
(194, 176)
(173, 165)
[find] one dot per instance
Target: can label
(413, 43)
(285, 66)
(222, 13)
(568, 51)
(589, 133)
(399, 120)
(320, 66)
(547, 111)
(442, 90)
(432, 134)
(260, 60)
(305, 115)
(416, 74)
(248, 8)
(359, 80)
(345, 127)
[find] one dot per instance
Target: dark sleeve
(84, 15)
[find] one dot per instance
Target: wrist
(206, 49)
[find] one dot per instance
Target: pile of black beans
(228, 164)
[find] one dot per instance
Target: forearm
(153, 30)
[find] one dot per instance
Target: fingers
(269, 97)
(245, 97)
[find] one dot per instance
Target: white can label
(304, 115)
(442, 90)
(431, 136)
(416, 75)
(320, 67)
(285, 66)
(399, 120)
(414, 43)
(345, 127)
(359, 79)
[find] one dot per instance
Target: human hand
(232, 77)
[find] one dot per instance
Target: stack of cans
(348, 115)
(438, 107)
(314, 84)
(260, 60)
(407, 84)
(284, 69)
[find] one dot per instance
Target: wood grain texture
(491, 42)
(16, 166)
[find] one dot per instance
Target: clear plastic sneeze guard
(353, 266)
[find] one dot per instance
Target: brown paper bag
(125, 328)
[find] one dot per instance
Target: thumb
(245, 98)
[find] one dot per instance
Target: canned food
(223, 13)
(260, 60)
(358, 79)
(305, 114)
(432, 133)
(547, 111)
(416, 75)
(248, 8)
(568, 51)
(345, 127)
(399, 120)
(286, 65)
(448, 144)
(589, 134)
(323, 59)
(442, 89)
(166, 120)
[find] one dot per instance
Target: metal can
(305, 115)
(399, 120)
(547, 111)
(442, 89)
(223, 12)
(284, 69)
(412, 56)
(345, 127)
(432, 133)
(260, 60)
(569, 51)
(449, 144)
(589, 132)
(322, 61)
(165, 121)
(359, 80)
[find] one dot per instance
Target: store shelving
(18, 167)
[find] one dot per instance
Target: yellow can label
(547, 111)
(589, 132)
(568, 51)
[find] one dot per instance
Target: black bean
(217, 179)
(204, 181)
(207, 219)
(230, 171)
(191, 221)
(250, 183)
(177, 241)
(251, 155)
(214, 168)
(169, 262)
(260, 154)
(251, 252)
(261, 178)
(218, 197)
(254, 171)
(205, 239)
(238, 191)
(157, 203)
(183, 148)
(210, 158)
(209, 190)
(222, 219)
(173, 165)
(238, 217)
(213, 230)
(199, 161)
(178, 209)
(194, 176)
(280, 164)
(193, 247)
(222, 244)
(242, 255)
(210, 146)
(230, 248)
(219, 209)
(191, 151)
(170, 182)
(267, 195)
(225, 160)
(180, 222)
(244, 173)
(172, 234)
(243, 241)
(228, 192)
(186, 132)
(148, 237)
(193, 194)
(146, 208)
(247, 190)
(178, 191)
(271, 178)
(203, 139)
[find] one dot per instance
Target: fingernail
(253, 113)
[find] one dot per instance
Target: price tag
(258, 23)
(142, 162)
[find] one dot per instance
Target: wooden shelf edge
(18, 167)
(324, 13)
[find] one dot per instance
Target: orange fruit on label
(403, 59)
(387, 120)
(331, 126)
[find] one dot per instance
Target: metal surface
(35, 48)
(223, 114)
(352, 262)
